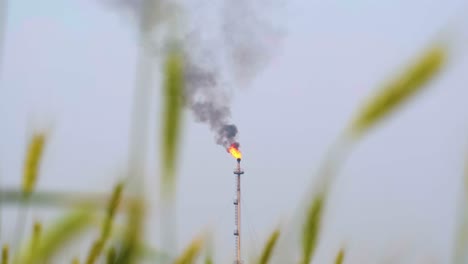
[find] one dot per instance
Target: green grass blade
(209, 259)
(111, 211)
(36, 237)
(143, 251)
(311, 229)
(400, 89)
(172, 117)
(57, 236)
(31, 168)
(191, 253)
(94, 251)
(128, 253)
(5, 254)
(209, 249)
(173, 90)
(339, 257)
(111, 256)
(106, 228)
(269, 246)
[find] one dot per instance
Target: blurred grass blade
(111, 210)
(62, 232)
(311, 229)
(111, 257)
(209, 248)
(106, 228)
(172, 114)
(36, 237)
(191, 253)
(269, 246)
(209, 259)
(5, 254)
(340, 257)
(31, 169)
(461, 244)
(173, 90)
(57, 236)
(400, 89)
(153, 255)
(75, 260)
(142, 251)
(94, 252)
(128, 251)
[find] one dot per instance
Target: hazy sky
(70, 65)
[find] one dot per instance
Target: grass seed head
(400, 89)
(32, 163)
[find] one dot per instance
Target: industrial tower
(237, 203)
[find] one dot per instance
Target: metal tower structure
(237, 203)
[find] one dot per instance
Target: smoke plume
(234, 51)
(225, 44)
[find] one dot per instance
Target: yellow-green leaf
(36, 237)
(311, 229)
(94, 251)
(99, 244)
(75, 260)
(57, 236)
(209, 251)
(191, 253)
(111, 210)
(209, 259)
(128, 251)
(111, 256)
(5, 254)
(340, 257)
(269, 246)
(173, 90)
(400, 89)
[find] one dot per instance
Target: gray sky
(70, 64)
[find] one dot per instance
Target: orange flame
(235, 152)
